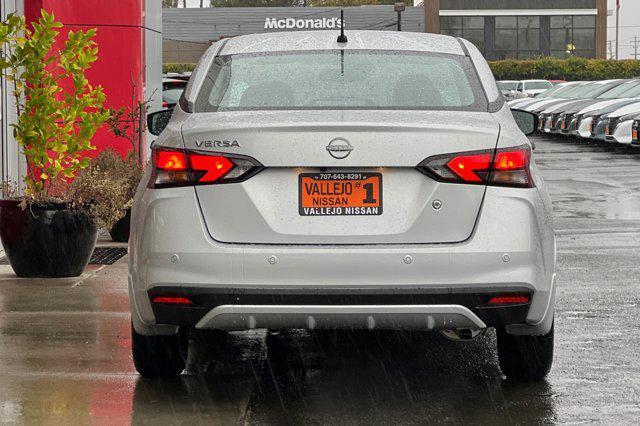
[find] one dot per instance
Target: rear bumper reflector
(347, 308)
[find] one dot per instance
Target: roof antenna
(342, 38)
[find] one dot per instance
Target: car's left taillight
(635, 131)
(501, 167)
(176, 167)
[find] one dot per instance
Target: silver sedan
(376, 181)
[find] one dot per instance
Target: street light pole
(617, 27)
(399, 8)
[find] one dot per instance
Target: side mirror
(527, 121)
(157, 121)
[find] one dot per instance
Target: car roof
(534, 80)
(607, 81)
(327, 40)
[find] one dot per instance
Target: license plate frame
(359, 202)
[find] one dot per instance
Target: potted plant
(108, 185)
(45, 232)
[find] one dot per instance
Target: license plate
(340, 194)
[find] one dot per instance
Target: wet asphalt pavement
(65, 345)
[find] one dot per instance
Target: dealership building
(501, 29)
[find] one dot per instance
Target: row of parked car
(607, 110)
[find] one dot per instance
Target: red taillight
(504, 167)
(467, 166)
(635, 131)
(173, 167)
(511, 160)
(174, 161)
(213, 167)
(509, 300)
(172, 300)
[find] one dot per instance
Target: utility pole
(399, 8)
(617, 28)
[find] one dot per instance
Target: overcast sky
(629, 24)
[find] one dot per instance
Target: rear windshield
(340, 80)
(537, 85)
(507, 85)
(171, 91)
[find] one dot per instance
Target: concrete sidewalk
(65, 357)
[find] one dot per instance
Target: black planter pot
(120, 231)
(46, 240)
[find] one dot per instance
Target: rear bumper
(414, 317)
(512, 249)
(383, 308)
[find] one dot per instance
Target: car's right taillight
(176, 167)
(635, 130)
(502, 167)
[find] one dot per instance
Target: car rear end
(267, 234)
(172, 89)
(341, 187)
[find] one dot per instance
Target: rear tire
(525, 358)
(160, 356)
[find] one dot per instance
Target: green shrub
(58, 110)
(573, 68)
(179, 68)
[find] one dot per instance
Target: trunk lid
(265, 209)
